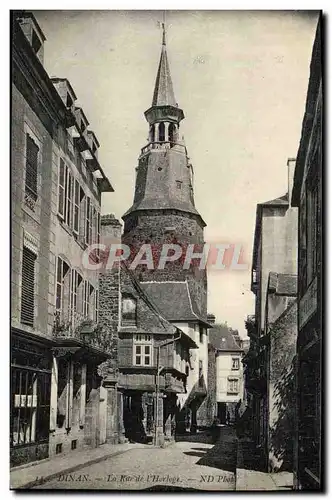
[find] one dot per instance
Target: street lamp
(159, 369)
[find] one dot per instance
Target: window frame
(142, 342)
(237, 360)
(31, 171)
(76, 207)
(230, 389)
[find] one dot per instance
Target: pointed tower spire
(163, 94)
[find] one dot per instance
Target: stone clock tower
(164, 210)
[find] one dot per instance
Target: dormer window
(69, 101)
(129, 306)
(65, 91)
(33, 33)
(81, 120)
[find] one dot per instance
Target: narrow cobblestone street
(189, 463)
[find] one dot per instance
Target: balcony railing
(161, 145)
(76, 326)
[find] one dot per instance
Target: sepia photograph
(166, 250)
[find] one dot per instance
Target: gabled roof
(222, 339)
(165, 325)
(174, 300)
(163, 94)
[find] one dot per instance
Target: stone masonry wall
(166, 226)
(281, 389)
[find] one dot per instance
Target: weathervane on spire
(163, 27)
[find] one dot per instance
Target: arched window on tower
(152, 133)
(171, 133)
(161, 132)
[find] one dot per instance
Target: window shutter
(61, 189)
(93, 225)
(97, 305)
(88, 220)
(69, 198)
(76, 207)
(28, 287)
(98, 234)
(58, 304)
(31, 168)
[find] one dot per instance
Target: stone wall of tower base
(168, 227)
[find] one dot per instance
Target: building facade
(275, 250)
(279, 358)
(57, 184)
(225, 384)
(307, 196)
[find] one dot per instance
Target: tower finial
(164, 34)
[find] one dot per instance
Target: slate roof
(163, 202)
(283, 284)
(222, 339)
(153, 306)
(163, 94)
(174, 301)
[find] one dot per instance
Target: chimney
(110, 230)
(211, 318)
(291, 162)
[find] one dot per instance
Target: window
(201, 334)
(200, 373)
(97, 305)
(35, 42)
(88, 297)
(88, 227)
(98, 234)
(31, 172)
(69, 198)
(76, 282)
(30, 405)
(63, 288)
(65, 193)
(143, 350)
(161, 132)
(179, 184)
(235, 364)
(312, 214)
(76, 221)
(128, 317)
(93, 225)
(233, 385)
(28, 287)
(61, 188)
(82, 216)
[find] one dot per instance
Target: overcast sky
(241, 78)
